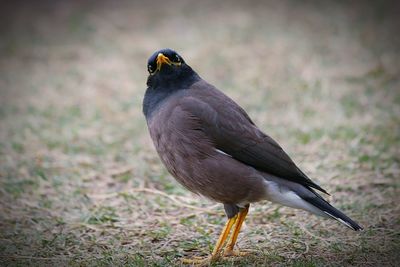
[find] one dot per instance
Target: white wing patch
(222, 152)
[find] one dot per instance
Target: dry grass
(81, 185)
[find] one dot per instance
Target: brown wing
(232, 131)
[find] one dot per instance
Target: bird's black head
(168, 74)
(167, 69)
(164, 60)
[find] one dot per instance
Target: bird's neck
(160, 89)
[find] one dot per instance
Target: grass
(80, 182)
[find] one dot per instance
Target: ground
(81, 184)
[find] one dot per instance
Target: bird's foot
(198, 261)
(228, 252)
(201, 261)
(205, 261)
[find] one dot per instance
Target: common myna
(213, 148)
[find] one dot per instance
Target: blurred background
(80, 182)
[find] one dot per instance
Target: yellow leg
(239, 222)
(222, 238)
(221, 241)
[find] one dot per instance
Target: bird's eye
(150, 68)
(178, 59)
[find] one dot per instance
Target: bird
(213, 148)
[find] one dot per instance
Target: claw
(235, 253)
(198, 261)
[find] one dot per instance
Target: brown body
(190, 155)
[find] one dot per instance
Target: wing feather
(232, 131)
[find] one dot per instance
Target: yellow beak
(161, 59)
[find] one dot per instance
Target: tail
(332, 212)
